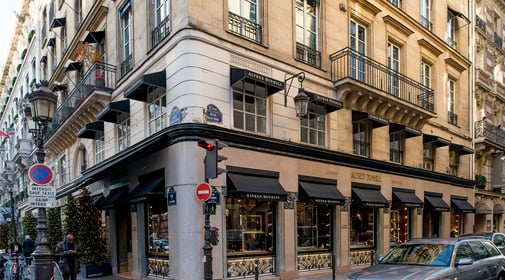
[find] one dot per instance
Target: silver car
(463, 258)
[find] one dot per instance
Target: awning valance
(436, 203)
(94, 37)
(73, 66)
(406, 198)
(409, 131)
(92, 130)
(139, 89)
(59, 87)
(461, 204)
(322, 192)
(261, 185)
(462, 150)
(43, 59)
(51, 42)
(498, 209)
(145, 190)
(368, 197)
(482, 209)
(115, 196)
(272, 85)
(330, 103)
(376, 120)
(113, 111)
(439, 141)
(58, 22)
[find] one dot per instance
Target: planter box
(94, 270)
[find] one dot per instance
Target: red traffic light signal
(209, 146)
(212, 158)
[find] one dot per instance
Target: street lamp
(302, 99)
(43, 106)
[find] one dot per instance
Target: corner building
(384, 154)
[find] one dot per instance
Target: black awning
(73, 66)
(254, 186)
(482, 209)
(462, 205)
(92, 130)
(371, 198)
(439, 141)
(462, 150)
(139, 89)
(436, 203)
(58, 22)
(145, 190)
(51, 42)
(407, 198)
(376, 120)
(409, 131)
(320, 192)
(330, 103)
(498, 209)
(43, 59)
(59, 87)
(272, 85)
(94, 37)
(115, 196)
(113, 111)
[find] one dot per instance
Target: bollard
(256, 270)
(371, 257)
(333, 262)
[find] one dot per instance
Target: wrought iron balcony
(160, 32)
(349, 64)
(489, 132)
(308, 55)
(100, 76)
(245, 28)
(426, 23)
(452, 117)
(126, 66)
(480, 23)
(498, 40)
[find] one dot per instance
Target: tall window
(62, 169)
(425, 14)
(157, 105)
(453, 118)
(307, 37)
(313, 125)
(396, 147)
(358, 44)
(425, 74)
(244, 19)
(394, 65)
(123, 133)
(99, 150)
(250, 106)
(453, 163)
(397, 3)
(313, 226)
(78, 9)
(126, 38)
(451, 28)
(54, 59)
(161, 20)
(361, 138)
(429, 156)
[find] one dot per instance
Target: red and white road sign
(203, 192)
(40, 174)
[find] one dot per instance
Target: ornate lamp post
(43, 106)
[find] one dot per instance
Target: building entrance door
(124, 239)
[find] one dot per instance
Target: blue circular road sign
(40, 174)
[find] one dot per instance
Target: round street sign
(40, 174)
(203, 192)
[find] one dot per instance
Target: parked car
(498, 238)
(161, 244)
(450, 258)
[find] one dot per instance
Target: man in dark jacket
(28, 248)
(69, 253)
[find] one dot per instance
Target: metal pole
(256, 270)
(333, 262)
(13, 219)
(207, 248)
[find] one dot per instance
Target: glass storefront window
(456, 223)
(362, 226)
(158, 231)
(400, 226)
(313, 226)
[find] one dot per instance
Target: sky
(7, 25)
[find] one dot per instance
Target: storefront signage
(326, 201)
(366, 177)
(171, 197)
(248, 64)
(263, 196)
(377, 119)
(215, 197)
(213, 114)
(328, 101)
(266, 80)
(175, 116)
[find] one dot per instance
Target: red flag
(4, 134)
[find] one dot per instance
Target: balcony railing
(100, 76)
(452, 42)
(490, 132)
(452, 117)
(160, 32)
(308, 55)
(126, 66)
(349, 64)
(498, 40)
(426, 23)
(245, 28)
(480, 23)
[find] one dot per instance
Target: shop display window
(313, 226)
(400, 226)
(158, 231)
(456, 223)
(362, 233)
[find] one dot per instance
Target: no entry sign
(40, 174)
(203, 192)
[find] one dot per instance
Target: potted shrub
(480, 181)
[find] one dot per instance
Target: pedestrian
(15, 248)
(69, 252)
(28, 248)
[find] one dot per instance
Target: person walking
(28, 248)
(69, 252)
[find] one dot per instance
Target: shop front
(432, 214)
(403, 213)
(460, 208)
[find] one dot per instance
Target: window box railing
(498, 40)
(100, 76)
(308, 55)
(426, 23)
(488, 131)
(428, 163)
(245, 28)
(452, 117)
(126, 66)
(361, 148)
(452, 43)
(160, 32)
(349, 64)
(480, 23)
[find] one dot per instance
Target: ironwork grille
(244, 27)
(245, 267)
(308, 55)
(160, 32)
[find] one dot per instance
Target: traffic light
(212, 157)
(214, 235)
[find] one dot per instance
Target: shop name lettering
(366, 177)
(263, 196)
(264, 79)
